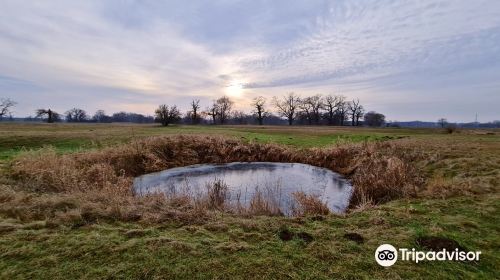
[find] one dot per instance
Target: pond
(244, 179)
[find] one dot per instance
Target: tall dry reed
(102, 179)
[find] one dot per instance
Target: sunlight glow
(234, 89)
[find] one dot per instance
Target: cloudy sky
(410, 60)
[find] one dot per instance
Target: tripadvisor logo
(387, 255)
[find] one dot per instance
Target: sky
(410, 60)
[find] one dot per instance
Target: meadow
(67, 209)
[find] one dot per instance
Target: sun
(234, 89)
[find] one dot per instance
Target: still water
(243, 179)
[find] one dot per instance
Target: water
(242, 179)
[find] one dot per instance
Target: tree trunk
(50, 118)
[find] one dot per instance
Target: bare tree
(353, 108)
(330, 105)
(76, 115)
(51, 115)
(341, 109)
(311, 107)
(442, 122)
(195, 107)
(287, 106)
(239, 117)
(213, 111)
(167, 115)
(259, 104)
(359, 114)
(224, 105)
(100, 117)
(5, 105)
(305, 111)
(336, 109)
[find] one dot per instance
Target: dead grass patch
(96, 185)
(308, 205)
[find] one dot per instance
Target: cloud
(121, 54)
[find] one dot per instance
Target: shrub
(451, 128)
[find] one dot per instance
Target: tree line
(79, 115)
(288, 109)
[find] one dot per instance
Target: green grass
(15, 138)
(238, 248)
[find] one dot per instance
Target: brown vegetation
(264, 203)
(85, 187)
(307, 205)
(217, 195)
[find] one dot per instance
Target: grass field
(68, 137)
(460, 201)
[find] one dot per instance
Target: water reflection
(243, 179)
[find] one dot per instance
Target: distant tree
(51, 115)
(353, 108)
(76, 115)
(359, 114)
(101, 117)
(330, 105)
(287, 106)
(258, 104)
(131, 117)
(120, 117)
(374, 119)
(272, 119)
(316, 104)
(304, 114)
(239, 117)
(167, 115)
(442, 122)
(311, 108)
(224, 105)
(341, 110)
(213, 111)
(194, 113)
(5, 105)
(393, 124)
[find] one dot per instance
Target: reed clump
(93, 185)
(217, 195)
(308, 205)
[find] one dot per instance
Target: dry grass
(380, 178)
(216, 196)
(97, 185)
(264, 202)
(307, 205)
